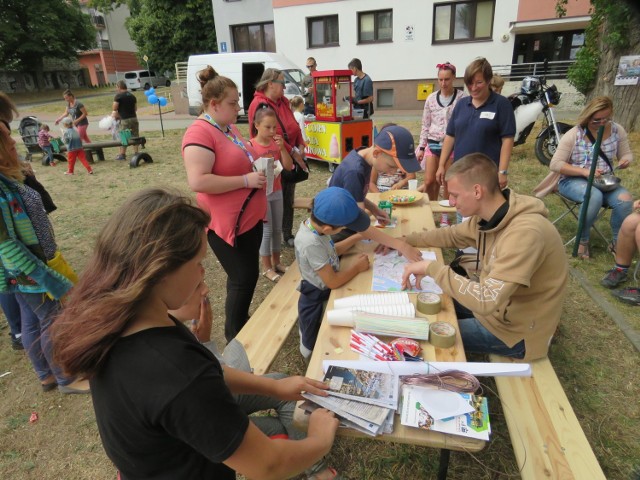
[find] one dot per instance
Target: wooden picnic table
(333, 342)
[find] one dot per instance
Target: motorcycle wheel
(546, 143)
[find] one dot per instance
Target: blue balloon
(152, 99)
(163, 101)
(151, 91)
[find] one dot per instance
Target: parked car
(145, 79)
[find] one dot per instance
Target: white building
(400, 42)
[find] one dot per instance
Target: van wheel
(147, 86)
(168, 84)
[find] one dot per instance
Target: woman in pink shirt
(219, 165)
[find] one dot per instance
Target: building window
(375, 26)
(255, 37)
(385, 97)
(323, 31)
(463, 21)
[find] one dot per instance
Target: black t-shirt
(126, 104)
(164, 410)
(75, 112)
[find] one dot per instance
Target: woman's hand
(440, 173)
(256, 180)
(622, 164)
(418, 270)
(420, 154)
(503, 180)
(291, 388)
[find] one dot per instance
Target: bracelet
(246, 182)
(422, 149)
(503, 172)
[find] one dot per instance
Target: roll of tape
(442, 335)
(428, 303)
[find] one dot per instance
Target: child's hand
(362, 263)
(279, 141)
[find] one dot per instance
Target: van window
(146, 74)
(131, 75)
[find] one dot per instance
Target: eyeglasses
(311, 66)
(281, 82)
(601, 121)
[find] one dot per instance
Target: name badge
(489, 115)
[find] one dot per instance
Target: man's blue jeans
(574, 188)
(477, 339)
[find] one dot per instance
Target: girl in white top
(297, 107)
(436, 114)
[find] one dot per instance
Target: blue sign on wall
(223, 47)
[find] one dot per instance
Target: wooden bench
(305, 203)
(270, 325)
(97, 148)
(546, 435)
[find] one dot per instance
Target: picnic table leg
(443, 464)
(100, 153)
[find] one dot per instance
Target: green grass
(596, 364)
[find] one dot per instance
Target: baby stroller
(28, 129)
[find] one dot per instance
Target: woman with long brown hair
(27, 245)
(163, 403)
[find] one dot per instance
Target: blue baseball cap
(336, 206)
(397, 142)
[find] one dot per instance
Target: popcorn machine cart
(335, 131)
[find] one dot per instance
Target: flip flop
(271, 274)
(336, 475)
(281, 268)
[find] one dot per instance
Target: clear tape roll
(442, 335)
(428, 303)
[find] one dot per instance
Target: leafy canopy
(31, 30)
(168, 31)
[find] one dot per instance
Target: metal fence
(517, 71)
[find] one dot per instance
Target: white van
(145, 79)
(245, 69)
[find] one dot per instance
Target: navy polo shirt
(481, 129)
(353, 174)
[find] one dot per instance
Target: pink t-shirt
(227, 220)
(269, 151)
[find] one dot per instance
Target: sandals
(583, 251)
(281, 268)
(314, 473)
(271, 274)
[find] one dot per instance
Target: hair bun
(207, 74)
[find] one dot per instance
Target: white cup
(413, 184)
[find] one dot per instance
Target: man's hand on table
(291, 388)
(411, 253)
(418, 270)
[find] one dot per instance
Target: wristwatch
(503, 172)
(422, 149)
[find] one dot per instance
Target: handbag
(297, 175)
(60, 265)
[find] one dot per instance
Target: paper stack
(443, 411)
(364, 400)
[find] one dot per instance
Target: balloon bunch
(154, 99)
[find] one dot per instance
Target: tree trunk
(626, 98)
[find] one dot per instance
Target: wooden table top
(333, 342)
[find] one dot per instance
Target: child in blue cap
(333, 210)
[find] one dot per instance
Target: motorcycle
(536, 97)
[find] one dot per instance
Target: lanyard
(229, 134)
(333, 255)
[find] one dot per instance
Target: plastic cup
(413, 184)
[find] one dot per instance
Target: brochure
(374, 387)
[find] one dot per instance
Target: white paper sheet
(481, 369)
(388, 269)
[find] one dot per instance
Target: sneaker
(16, 344)
(630, 295)
(52, 164)
(90, 172)
(120, 157)
(613, 278)
(68, 173)
(444, 220)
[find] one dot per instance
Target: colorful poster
(628, 70)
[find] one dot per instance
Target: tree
(614, 31)
(168, 31)
(32, 30)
